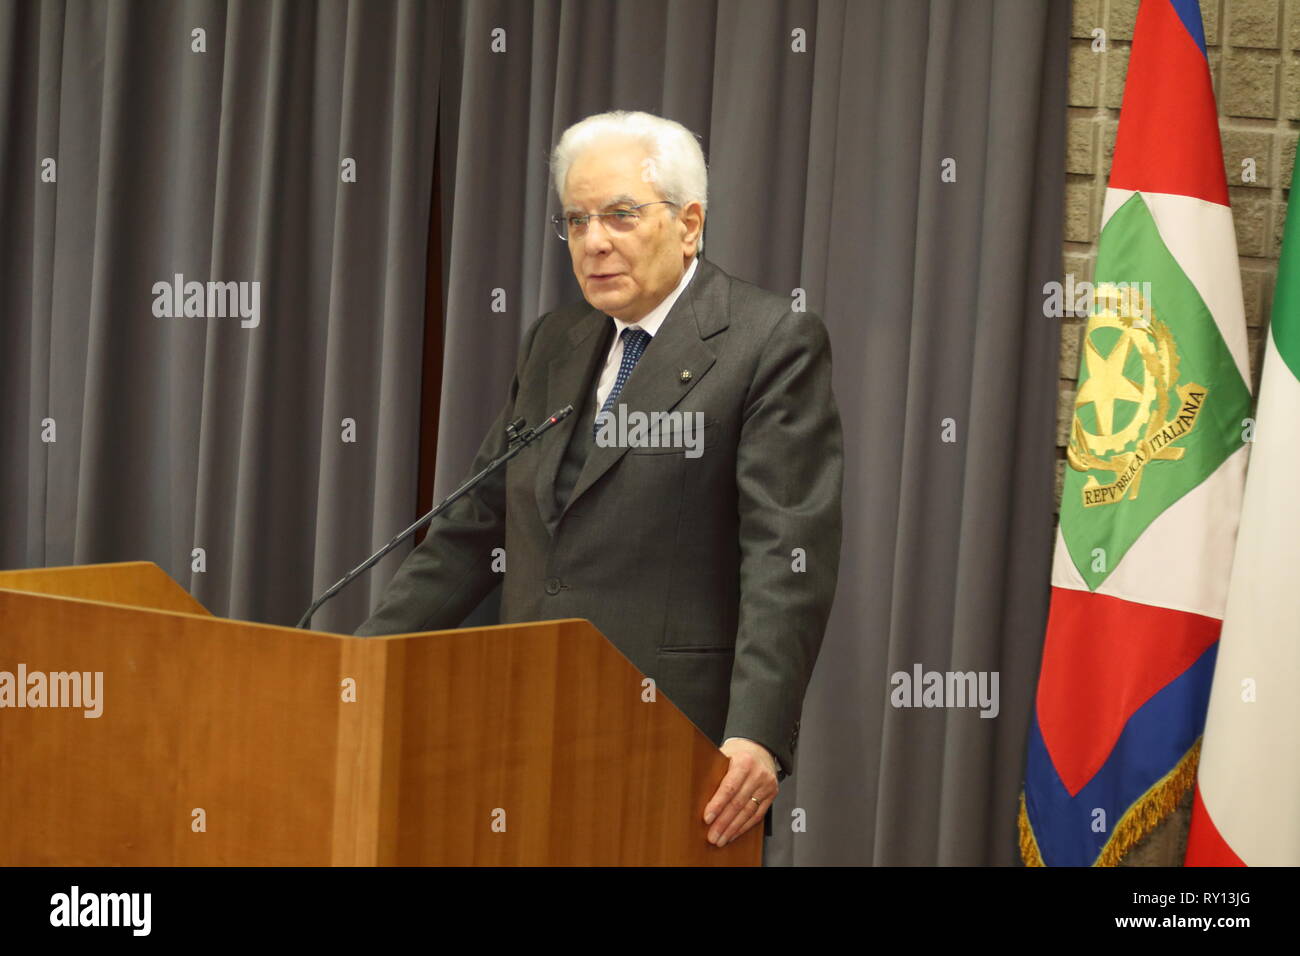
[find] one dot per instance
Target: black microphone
(518, 441)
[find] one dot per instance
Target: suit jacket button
(552, 585)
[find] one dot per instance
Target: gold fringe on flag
(1028, 845)
(1138, 820)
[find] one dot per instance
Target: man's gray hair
(677, 169)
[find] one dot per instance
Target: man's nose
(597, 235)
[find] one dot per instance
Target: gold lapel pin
(686, 375)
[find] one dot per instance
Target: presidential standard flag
(1247, 806)
(1156, 463)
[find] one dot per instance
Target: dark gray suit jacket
(714, 575)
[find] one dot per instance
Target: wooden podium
(224, 742)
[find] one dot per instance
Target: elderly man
(712, 571)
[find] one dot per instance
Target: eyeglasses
(623, 219)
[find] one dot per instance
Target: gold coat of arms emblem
(1132, 421)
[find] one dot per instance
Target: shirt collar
(655, 318)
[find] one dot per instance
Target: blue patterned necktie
(634, 343)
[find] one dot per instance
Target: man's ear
(691, 218)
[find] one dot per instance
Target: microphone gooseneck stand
(517, 441)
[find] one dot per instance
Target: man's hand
(745, 793)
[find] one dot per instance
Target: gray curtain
(177, 433)
(825, 176)
(223, 164)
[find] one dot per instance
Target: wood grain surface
(524, 745)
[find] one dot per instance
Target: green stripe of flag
(1286, 300)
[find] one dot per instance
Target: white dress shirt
(650, 323)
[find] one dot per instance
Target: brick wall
(1254, 53)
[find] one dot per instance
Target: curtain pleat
(286, 451)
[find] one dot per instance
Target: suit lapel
(567, 378)
(656, 382)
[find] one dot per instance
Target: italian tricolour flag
(1157, 460)
(1247, 808)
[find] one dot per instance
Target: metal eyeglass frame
(561, 223)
